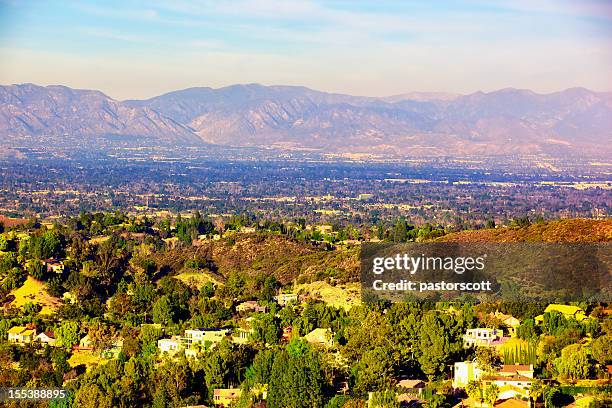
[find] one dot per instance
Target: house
(251, 306)
(411, 386)
(223, 397)
(85, 343)
(243, 333)
(510, 386)
(47, 337)
(509, 321)
(204, 337)
(114, 349)
(567, 311)
(464, 372)
(54, 266)
(284, 299)
(525, 370)
(512, 403)
(320, 337)
(21, 334)
(483, 337)
(169, 346)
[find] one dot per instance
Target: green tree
(474, 391)
(491, 393)
(67, 334)
(487, 358)
(297, 378)
(163, 312)
(374, 372)
(601, 349)
(574, 362)
(434, 345)
(536, 390)
(384, 399)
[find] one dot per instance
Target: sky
(142, 48)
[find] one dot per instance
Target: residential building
(415, 387)
(243, 333)
(464, 372)
(512, 403)
(251, 306)
(204, 337)
(509, 321)
(54, 266)
(47, 337)
(568, 311)
(85, 343)
(320, 337)
(223, 397)
(510, 386)
(525, 370)
(483, 337)
(287, 333)
(285, 298)
(169, 346)
(21, 334)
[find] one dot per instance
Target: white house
(482, 337)
(47, 338)
(204, 337)
(285, 298)
(464, 372)
(170, 346)
(21, 335)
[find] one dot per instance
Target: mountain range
(507, 121)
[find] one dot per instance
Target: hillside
(569, 230)
(254, 254)
(58, 112)
(508, 121)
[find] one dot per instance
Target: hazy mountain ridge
(501, 122)
(30, 110)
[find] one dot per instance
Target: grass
(89, 358)
(35, 291)
(341, 296)
(196, 279)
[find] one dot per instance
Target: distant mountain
(30, 111)
(508, 121)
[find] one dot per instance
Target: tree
(574, 362)
(384, 399)
(536, 390)
(296, 379)
(474, 391)
(490, 394)
(434, 345)
(374, 372)
(438, 401)
(163, 312)
(67, 334)
(487, 358)
(526, 331)
(266, 329)
(601, 348)
(552, 397)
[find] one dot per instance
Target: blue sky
(136, 49)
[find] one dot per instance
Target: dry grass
(35, 291)
(341, 296)
(196, 279)
(570, 230)
(89, 358)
